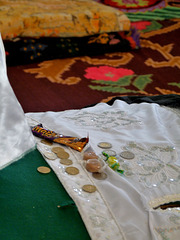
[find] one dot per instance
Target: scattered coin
(57, 149)
(66, 161)
(43, 169)
(50, 155)
(63, 154)
(127, 155)
(100, 176)
(72, 170)
(44, 141)
(110, 152)
(89, 188)
(104, 145)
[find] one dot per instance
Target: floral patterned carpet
(73, 83)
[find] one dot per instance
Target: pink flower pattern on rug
(141, 25)
(107, 73)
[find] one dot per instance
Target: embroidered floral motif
(128, 4)
(146, 26)
(104, 119)
(102, 38)
(35, 48)
(141, 25)
(113, 40)
(107, 73)
(175, 84)
(153, 166)
(115, 80)
(166, 233)
(174, 219)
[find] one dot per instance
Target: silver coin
(104, 145)
(127, 155)
(50, 155)
(110, 152)
(100, 176)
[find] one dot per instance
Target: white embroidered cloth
(124, 205)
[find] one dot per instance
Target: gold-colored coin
(100, 176)
(44, 141)
(89, 188)
(62, 155)
(57, 149)
(66, 161)
(72, 170)
(43, 169)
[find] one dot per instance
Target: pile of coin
(59, 152)
(63, 155)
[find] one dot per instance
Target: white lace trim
(172, 231)
(164, 200)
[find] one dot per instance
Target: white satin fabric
(152, 178)
(15, 135)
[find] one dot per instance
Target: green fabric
(157, 14)
(29, 203)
